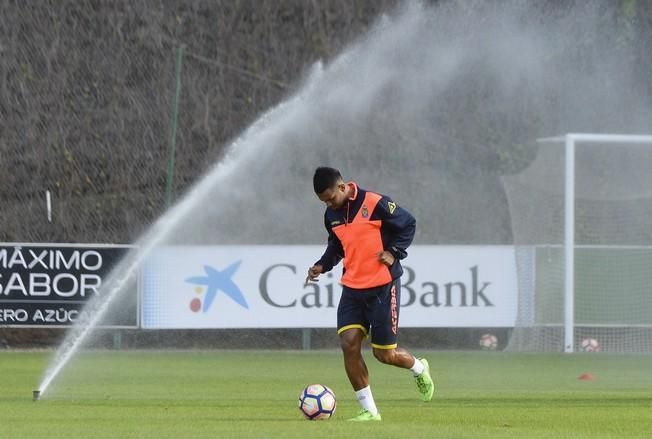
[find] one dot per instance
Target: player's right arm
(331, 257)
(313, 273)
(333, 254)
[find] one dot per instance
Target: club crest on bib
(365, 212)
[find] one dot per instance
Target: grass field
(253, 394)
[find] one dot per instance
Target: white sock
(366, 400)
(418, 367)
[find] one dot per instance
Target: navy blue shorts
(374, 311)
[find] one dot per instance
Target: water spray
(157, 234)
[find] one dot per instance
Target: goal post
(585, 198)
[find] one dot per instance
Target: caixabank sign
(264, 287)
(48, 285)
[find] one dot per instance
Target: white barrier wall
(263, 287)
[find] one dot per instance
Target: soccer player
(371, 233)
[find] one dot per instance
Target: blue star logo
(216, 281)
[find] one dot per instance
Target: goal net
(582, 225)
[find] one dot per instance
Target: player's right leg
(356, 369)
(352, 328)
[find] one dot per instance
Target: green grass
(253, 394)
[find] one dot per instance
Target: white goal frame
(570, 140)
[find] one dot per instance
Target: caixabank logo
(209, 286)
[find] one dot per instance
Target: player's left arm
(399, 225)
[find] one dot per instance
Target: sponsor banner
(47, 285)
(263, 287)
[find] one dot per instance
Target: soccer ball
(590, 345)
(317, 402)
(488, 342)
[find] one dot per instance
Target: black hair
(325, 178)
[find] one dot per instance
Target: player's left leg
(383, 315)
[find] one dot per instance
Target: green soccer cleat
(424, 382)
(365, 415)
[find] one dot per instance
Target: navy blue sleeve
(334, 250)
(398, 227)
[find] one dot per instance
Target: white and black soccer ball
(488, 342)
(317, 402)
(590, 345)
